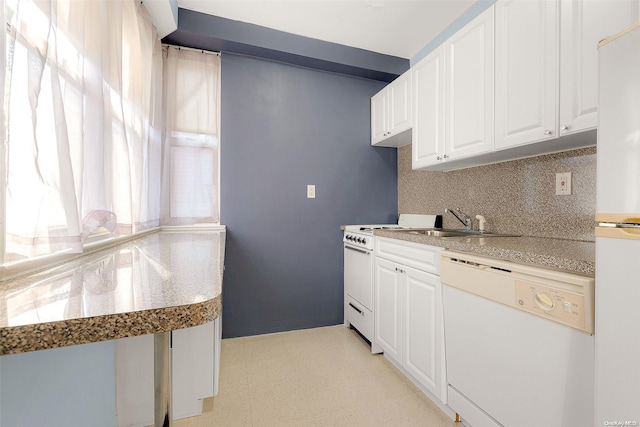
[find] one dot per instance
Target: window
(192, 83)
(86, 137)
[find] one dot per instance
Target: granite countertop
(571, 256)
(159, 282)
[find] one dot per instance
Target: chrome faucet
(467, 221)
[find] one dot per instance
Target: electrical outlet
(563, 183)
(311, 191)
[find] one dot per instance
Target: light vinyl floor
(314, 377)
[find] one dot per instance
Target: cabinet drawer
(416, 255)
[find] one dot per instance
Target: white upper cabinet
(428, 110)
(583, 23)
(454, 96)
(400, 104)
(469, 93)
(391, 113)
(526, 49)
(379, 104)
(513, 82)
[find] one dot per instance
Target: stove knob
(364, 241)
(349, 237)
(359, 240)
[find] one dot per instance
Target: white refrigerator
(617, 327)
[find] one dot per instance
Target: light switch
(311, 191)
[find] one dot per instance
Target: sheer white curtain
(83, 107)
(190, 161)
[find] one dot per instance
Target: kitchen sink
(444, 232)
(440, 233)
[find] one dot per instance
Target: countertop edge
(49, 335)
(521, 256)
(155, 316)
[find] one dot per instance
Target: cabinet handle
(438, 158)
(564, 128)
(356, 309)
(548, 132)
(446, 156)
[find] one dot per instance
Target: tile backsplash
(515, 197)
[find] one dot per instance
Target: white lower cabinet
(422, 328)
(108, 383)
(408, 312)
(388, 304)
(195, 370)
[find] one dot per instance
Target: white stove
(358, 270)
(361, 236)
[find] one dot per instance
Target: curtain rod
(192, 49)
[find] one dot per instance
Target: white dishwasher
(518, 342)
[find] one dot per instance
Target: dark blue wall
(284, 127)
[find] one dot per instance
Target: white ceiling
(392, 27)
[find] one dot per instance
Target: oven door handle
(362, 251)
(356, 309)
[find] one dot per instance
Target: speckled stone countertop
(156, 283)
(571, 256)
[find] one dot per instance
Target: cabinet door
(193, 362)
(195, 370)
(583, 23)
(379, 116)
(428, 110)
(422, 327)
(526, 62)
(400, 104)
(469, 88)
(388, 308)
(134, 380)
